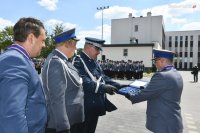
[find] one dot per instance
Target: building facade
(129, 34)
(125, 52)
(186, 45)
(138, 30)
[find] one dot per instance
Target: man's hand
(110, 89)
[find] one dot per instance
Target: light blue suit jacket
(22, 101)
(163, 95)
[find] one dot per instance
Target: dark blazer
(90, 87)
(163, 95)
(22, 101)
(64, 92)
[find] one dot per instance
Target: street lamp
(102, 8)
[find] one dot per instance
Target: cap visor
(76, 39)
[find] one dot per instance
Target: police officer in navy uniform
(63, 87)
(163, 96)
(95, 84)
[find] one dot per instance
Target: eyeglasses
(96, 48)
(154, 60)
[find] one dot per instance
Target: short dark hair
(25, 26)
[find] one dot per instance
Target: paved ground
(131, 118)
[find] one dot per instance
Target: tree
(50, 44)
(6, 37)
(79, 51)
(58, 29)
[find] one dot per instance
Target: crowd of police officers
(114, 69)
(122, 69)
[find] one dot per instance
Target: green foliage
(45, 51)
(79, 51)
(6, 37)
(58, 29)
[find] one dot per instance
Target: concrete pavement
(131, 118)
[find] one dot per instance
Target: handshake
(112, 89)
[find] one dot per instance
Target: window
(198, 37)
(176, 38)
(181, 38)
(170, 44)
(125, 52)
(136, 28)
(186, 44)
(176, 44)
(191, 54)
(185, 54)
(170, 38)
(186, 38)
(180, 54)
(181, 43)
(191, 44)
(191, 38)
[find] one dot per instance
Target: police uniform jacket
(64, 92)
(22, 101)
(163, 95)
(92, 89)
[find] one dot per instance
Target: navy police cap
(94, 41)
(66, 35)
(160, 53)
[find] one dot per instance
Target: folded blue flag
(129, 90)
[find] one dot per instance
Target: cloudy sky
(83, 14)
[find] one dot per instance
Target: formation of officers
(122, 69)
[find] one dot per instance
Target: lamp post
(102, 8)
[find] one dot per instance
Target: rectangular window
(181, 38)
(185, 65)
(180, 64)
(186, 38)
(176, 38)
(176, 44)
(185, 54)
(191, 54)
(170, 44)
(136, 28)
(181, 43)
(170, 38)
(198, 37)
(186, 44)
(191, 38)
(198, 47)
(180, 54)
(191, 44)
(198, 54)
(190, 65)
(125, 52)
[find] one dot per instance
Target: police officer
(63, 86)
(163, 94)
(95, 84)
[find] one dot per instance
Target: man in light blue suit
(163, 95)
(22, 100)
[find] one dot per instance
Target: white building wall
(134, 53)
(149, 29)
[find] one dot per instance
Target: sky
(178, 15)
